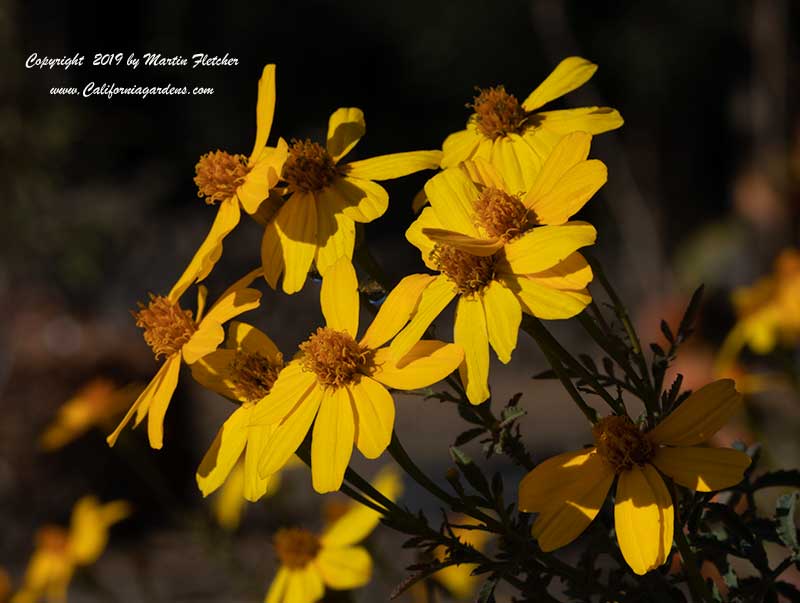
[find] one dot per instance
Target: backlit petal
(452, 196)
(256, 486)
(346, 126)
(364, 200)
(434, 299)
(272, 254)
(291, 386)
(224, 452)
(569, 74)
(231, 305)
(594, 120)
(336, 233)
(161, 399)
(426, 363)
(516, 161)
(702, 469)
(571, 150)
(460, 146)
(375, 415)
(545, 246)
(470, 333)
(339, 297)
(395, 165)
(265, 109)
(396, 310)
(503, 317)
(573, 273)
(296, 225)
(345, 568)
(545, 302)
(332, 444)
(570, 194)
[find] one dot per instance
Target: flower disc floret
(501, 214)
(470, 273)
(309, 167)
(167, 327)
(253, 374)
(498, 113)
(621, 443)
(296, 547)
(218, 174)
(335, 357)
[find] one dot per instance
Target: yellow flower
(309, 563)
(568, 490)
(59, 551)
(244, 371)
(502, 254)
(176, 334)
(458, 579)
(510, 134)
(95, 404)
(234, 181)
(327, 197)
(768, 311)
(342, 382)
(5, 586)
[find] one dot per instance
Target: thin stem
(401, 457)
(695, 580)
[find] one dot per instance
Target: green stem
(695, 580)
(401, 457)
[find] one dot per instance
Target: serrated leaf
(785, 509)
(657, 350)
(689, 317)
(486, 592)
(471, 472)
(667, 332)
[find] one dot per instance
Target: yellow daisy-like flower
(236, 182)
(342, 382)
(59, 551)
(502, 254)
(510, 134)
(568, 490)
(309, 562)
(327, 197)
(95, 404)
(244, 371)
(177, 335)
(768, 311)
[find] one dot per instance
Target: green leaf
(471, 472)
(486, 592)
(785, 509)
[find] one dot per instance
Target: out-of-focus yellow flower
(309, 562)
(342, 382)
(235, 181)
(510, 134)
(327, 197)
(568, 490)
(176, 334)
(5, 586)
(458, 579)
(768, 311)
(94, 405)
(502, 254)
(59, 551)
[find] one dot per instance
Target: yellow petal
(142, 403)
(293, 384)
(256, 486)
(470, 333)
(89, 528)
(452, 196)
(161, 399)
(265, 109)
(224, 452)
(573, 273)
(426, 363)
(210, 249)
(250, 339)
(272, 254)
(516, 161)
(426, 219)
(396, 165)
(571, 150)
(460, 146)
(345, 568)
(419, 201)
(202, 298)
(205, 340)
(433, 300)
(336, 233)
(213, 372)
(483, 172)
(569, 74)
(503, 317)
(472, 245)
(346, 126)
(277, 590)
(375, 416)
(304, 585)
(571, 193)
(262, 177)
(339, 297)
(332, 444)
(396, 310)
(702, 469)
(545, 246)
(594, 120)
(363, 200)
(296, 225)
(546, 302)
(700, 416)
(231, 305)
(289, 434)
(643, 517)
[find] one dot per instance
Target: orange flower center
(218, 174)
(470, 273)
(335, 357)
(167, 327)
(296, 547)
(498, 113)
(309, 167)
(253, 375)
(501, 214)
(621, 443)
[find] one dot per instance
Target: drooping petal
(396, 310)
(594, 120)
(483, 172)
(272, 254)
(516, 161)
(292, 385)
(375, 415)
(569, 74)
(345, 568)
(573, 273)
(363, 200)
(570, 193)
(160, 401)
(205, 340)
(256, 486)
(433, 300)
(460, 146)
(224, 452)
(426, 363)
(545, 246)
(503, 317)
(546, 302)
(644, 518)
(212, 372)
(700, 416)
(264, 174)
(250, 339)
(571, 150)
(339, 297)
(232, 304)
(265, 110)
(296, 225)
(452, 196)
(346, 126)
(702, 469)
(426, 219)
(395, 165)
(470, 333)
(472, 245)
(290, 433)
(332, 444)
(336, 233)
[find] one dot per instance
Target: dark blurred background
(100, 208)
